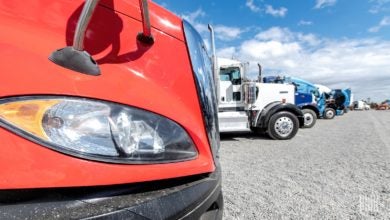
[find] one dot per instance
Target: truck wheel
(329, 113)
(310, 118)
(283, 126)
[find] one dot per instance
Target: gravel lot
(339, 169)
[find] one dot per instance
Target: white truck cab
(245, 105)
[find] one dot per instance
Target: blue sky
(337, 43)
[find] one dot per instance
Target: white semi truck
(246, 105)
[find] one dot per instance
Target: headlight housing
(97, 130)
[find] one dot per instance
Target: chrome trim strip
(205, 83)
(214, 62)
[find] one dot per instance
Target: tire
(310, 118)
(329, 113)
(283, 126)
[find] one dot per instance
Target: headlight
(97, 130)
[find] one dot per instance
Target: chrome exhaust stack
(75, 57)
(260, 77)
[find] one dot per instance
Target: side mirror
(75, 57)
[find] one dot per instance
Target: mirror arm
(82, 24)
(75, 57)
(146, 35)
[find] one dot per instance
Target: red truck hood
(160, 18)
(147, 77)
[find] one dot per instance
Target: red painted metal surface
(157, 78)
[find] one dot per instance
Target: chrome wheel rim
(284, 126)
(329, 114)
(308, 119)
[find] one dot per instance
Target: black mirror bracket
(145, 36)
(148, 40)
(75, 57)
(76, 60)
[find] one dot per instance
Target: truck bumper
(198, 197)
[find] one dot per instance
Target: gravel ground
(339, 169)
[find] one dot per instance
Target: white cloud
(383, 23)
(304, 23)
(324, 3)
(379, 5)
(275, 33)
(226, 33)
(275, 49)
(281, 12)
(251, 5)
(193, 18)
(285, 35)
(227, 52)
(362, 64)
(309, 39)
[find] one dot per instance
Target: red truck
(107, 110)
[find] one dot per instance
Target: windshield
(231, 74)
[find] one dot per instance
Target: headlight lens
(98, 130)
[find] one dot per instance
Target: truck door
(231, 94)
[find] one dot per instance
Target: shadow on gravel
(247, 135)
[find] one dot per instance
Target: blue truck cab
(339, 100)
(307, 97)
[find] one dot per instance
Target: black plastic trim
(182, 198)
(147, 40)
(265, 115)
(231, 109)
(76, 60)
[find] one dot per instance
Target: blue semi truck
(307, 97)
(339, 100)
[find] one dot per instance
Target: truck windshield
(316, 92)
(231, 74)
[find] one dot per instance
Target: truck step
(233, 121)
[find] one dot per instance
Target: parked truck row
(273, 105)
